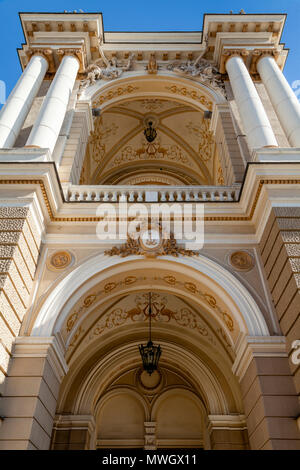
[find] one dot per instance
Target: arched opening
(100, 321)
(184, 151)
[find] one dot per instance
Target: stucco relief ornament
(241, 261)
(110, 71)
(203, 69)
(150, 244)
(59, 260)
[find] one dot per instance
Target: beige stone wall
(73, 432)
(19, 250)
(280, 251)
(229, 439)
(28, 404)
(271, 404)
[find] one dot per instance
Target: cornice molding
(43, 347)
(228, 422)
(251, 347)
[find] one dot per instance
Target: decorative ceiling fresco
(132, 310)
(183, 153)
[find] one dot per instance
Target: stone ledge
(282, 155)
(25, 155)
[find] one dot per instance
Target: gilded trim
(97, 219)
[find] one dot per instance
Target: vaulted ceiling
(183, 152)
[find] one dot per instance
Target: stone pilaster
(75, 148)
(20, 241)
(31, 389)
(270, 401)
(229, 151)
(280, 252)
(150, 435)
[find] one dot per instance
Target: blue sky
(136, 15)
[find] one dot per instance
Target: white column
(282, 97)
(14, 112)
(51, 116)
(256, 124)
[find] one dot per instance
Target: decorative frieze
(191, 93)
(104, 69)
(203, 69)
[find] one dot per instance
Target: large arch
(58, 303)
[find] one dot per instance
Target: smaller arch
(93, 376)
(168, 393)
(180, 418)
(107, 396)
(119, 409)
(168, 85)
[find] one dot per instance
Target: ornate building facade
(225, 130)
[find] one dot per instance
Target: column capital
(46, 53)
(229, 53)
(258, 54)
(78, 53)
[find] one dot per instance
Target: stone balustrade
(160, 194)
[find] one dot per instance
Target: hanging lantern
(150, 133)
(150, 353)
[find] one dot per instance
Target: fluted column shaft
(256, 124)
(14, 112)
(282, 97)
(51, 116)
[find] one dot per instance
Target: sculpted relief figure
(202, 68)
(110, 71)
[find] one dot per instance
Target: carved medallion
(241, 261)
(60, 260)
(149, 383)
